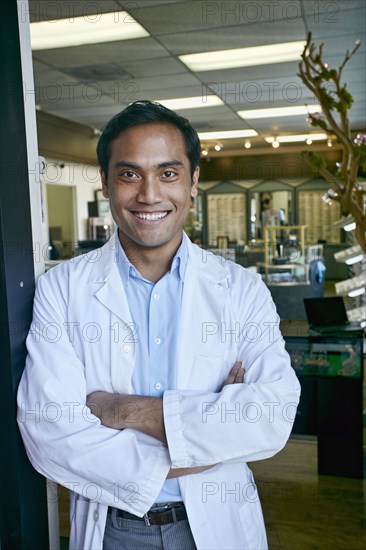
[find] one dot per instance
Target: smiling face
(150, 187)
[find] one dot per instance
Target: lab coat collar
(203, 270)
(209, 266)
(105, 262)
(108, 283)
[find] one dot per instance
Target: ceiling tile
(108, 52)
(204, 15)
(193, 26)
(154, 67)
(329, 12)
(45, 10)
(232, 37)
(350, 23)
(162, 83)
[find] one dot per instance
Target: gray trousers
(129, 534)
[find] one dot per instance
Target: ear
(104, 184)
(194, 186)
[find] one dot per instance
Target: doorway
(61, 220)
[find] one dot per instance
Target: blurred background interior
(260, 204)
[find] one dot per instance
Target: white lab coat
(82, 339)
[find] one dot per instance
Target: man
(134, 394)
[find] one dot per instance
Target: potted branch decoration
(335, 101)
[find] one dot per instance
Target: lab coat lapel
(108, 283)
(111, 294)
(204, 295)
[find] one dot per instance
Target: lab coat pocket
(207, 372)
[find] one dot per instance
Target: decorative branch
(317, 75)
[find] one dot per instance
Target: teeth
(151, 216)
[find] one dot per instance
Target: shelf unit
(286, 243)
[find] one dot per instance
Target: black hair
(147, 112)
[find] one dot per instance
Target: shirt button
(156, 296)
(157, 386)
(96, 515)
(157, 341)
(126, 349)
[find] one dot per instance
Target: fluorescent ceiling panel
(295, 110)
(244, 57)
(191, 102)
(90, 29)
(296, 137)
(227, 134)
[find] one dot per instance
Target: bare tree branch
(316, 75)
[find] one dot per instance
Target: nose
(149, 191)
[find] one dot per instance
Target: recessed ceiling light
(227, 134)
(297, 137)
(181, 103)
(295, 110)
(90, 29)
(244, 57)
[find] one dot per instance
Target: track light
(357, 292)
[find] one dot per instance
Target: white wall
(85, 178)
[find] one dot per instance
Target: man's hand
(236, 375)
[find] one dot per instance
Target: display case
(330, 371)
(318, 215)
(337, 356)
(284, 255)
(100, 229)
(226, 204)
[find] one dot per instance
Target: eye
(128, 174)
(169, 174)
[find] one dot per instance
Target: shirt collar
(127, 270)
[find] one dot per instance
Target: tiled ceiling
(192, 26)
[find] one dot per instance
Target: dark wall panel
(23, 500)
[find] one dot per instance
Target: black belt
(170, 513)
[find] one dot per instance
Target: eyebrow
(133, 166)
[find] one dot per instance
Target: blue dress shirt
(155, 311)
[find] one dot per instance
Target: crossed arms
(145, 414)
